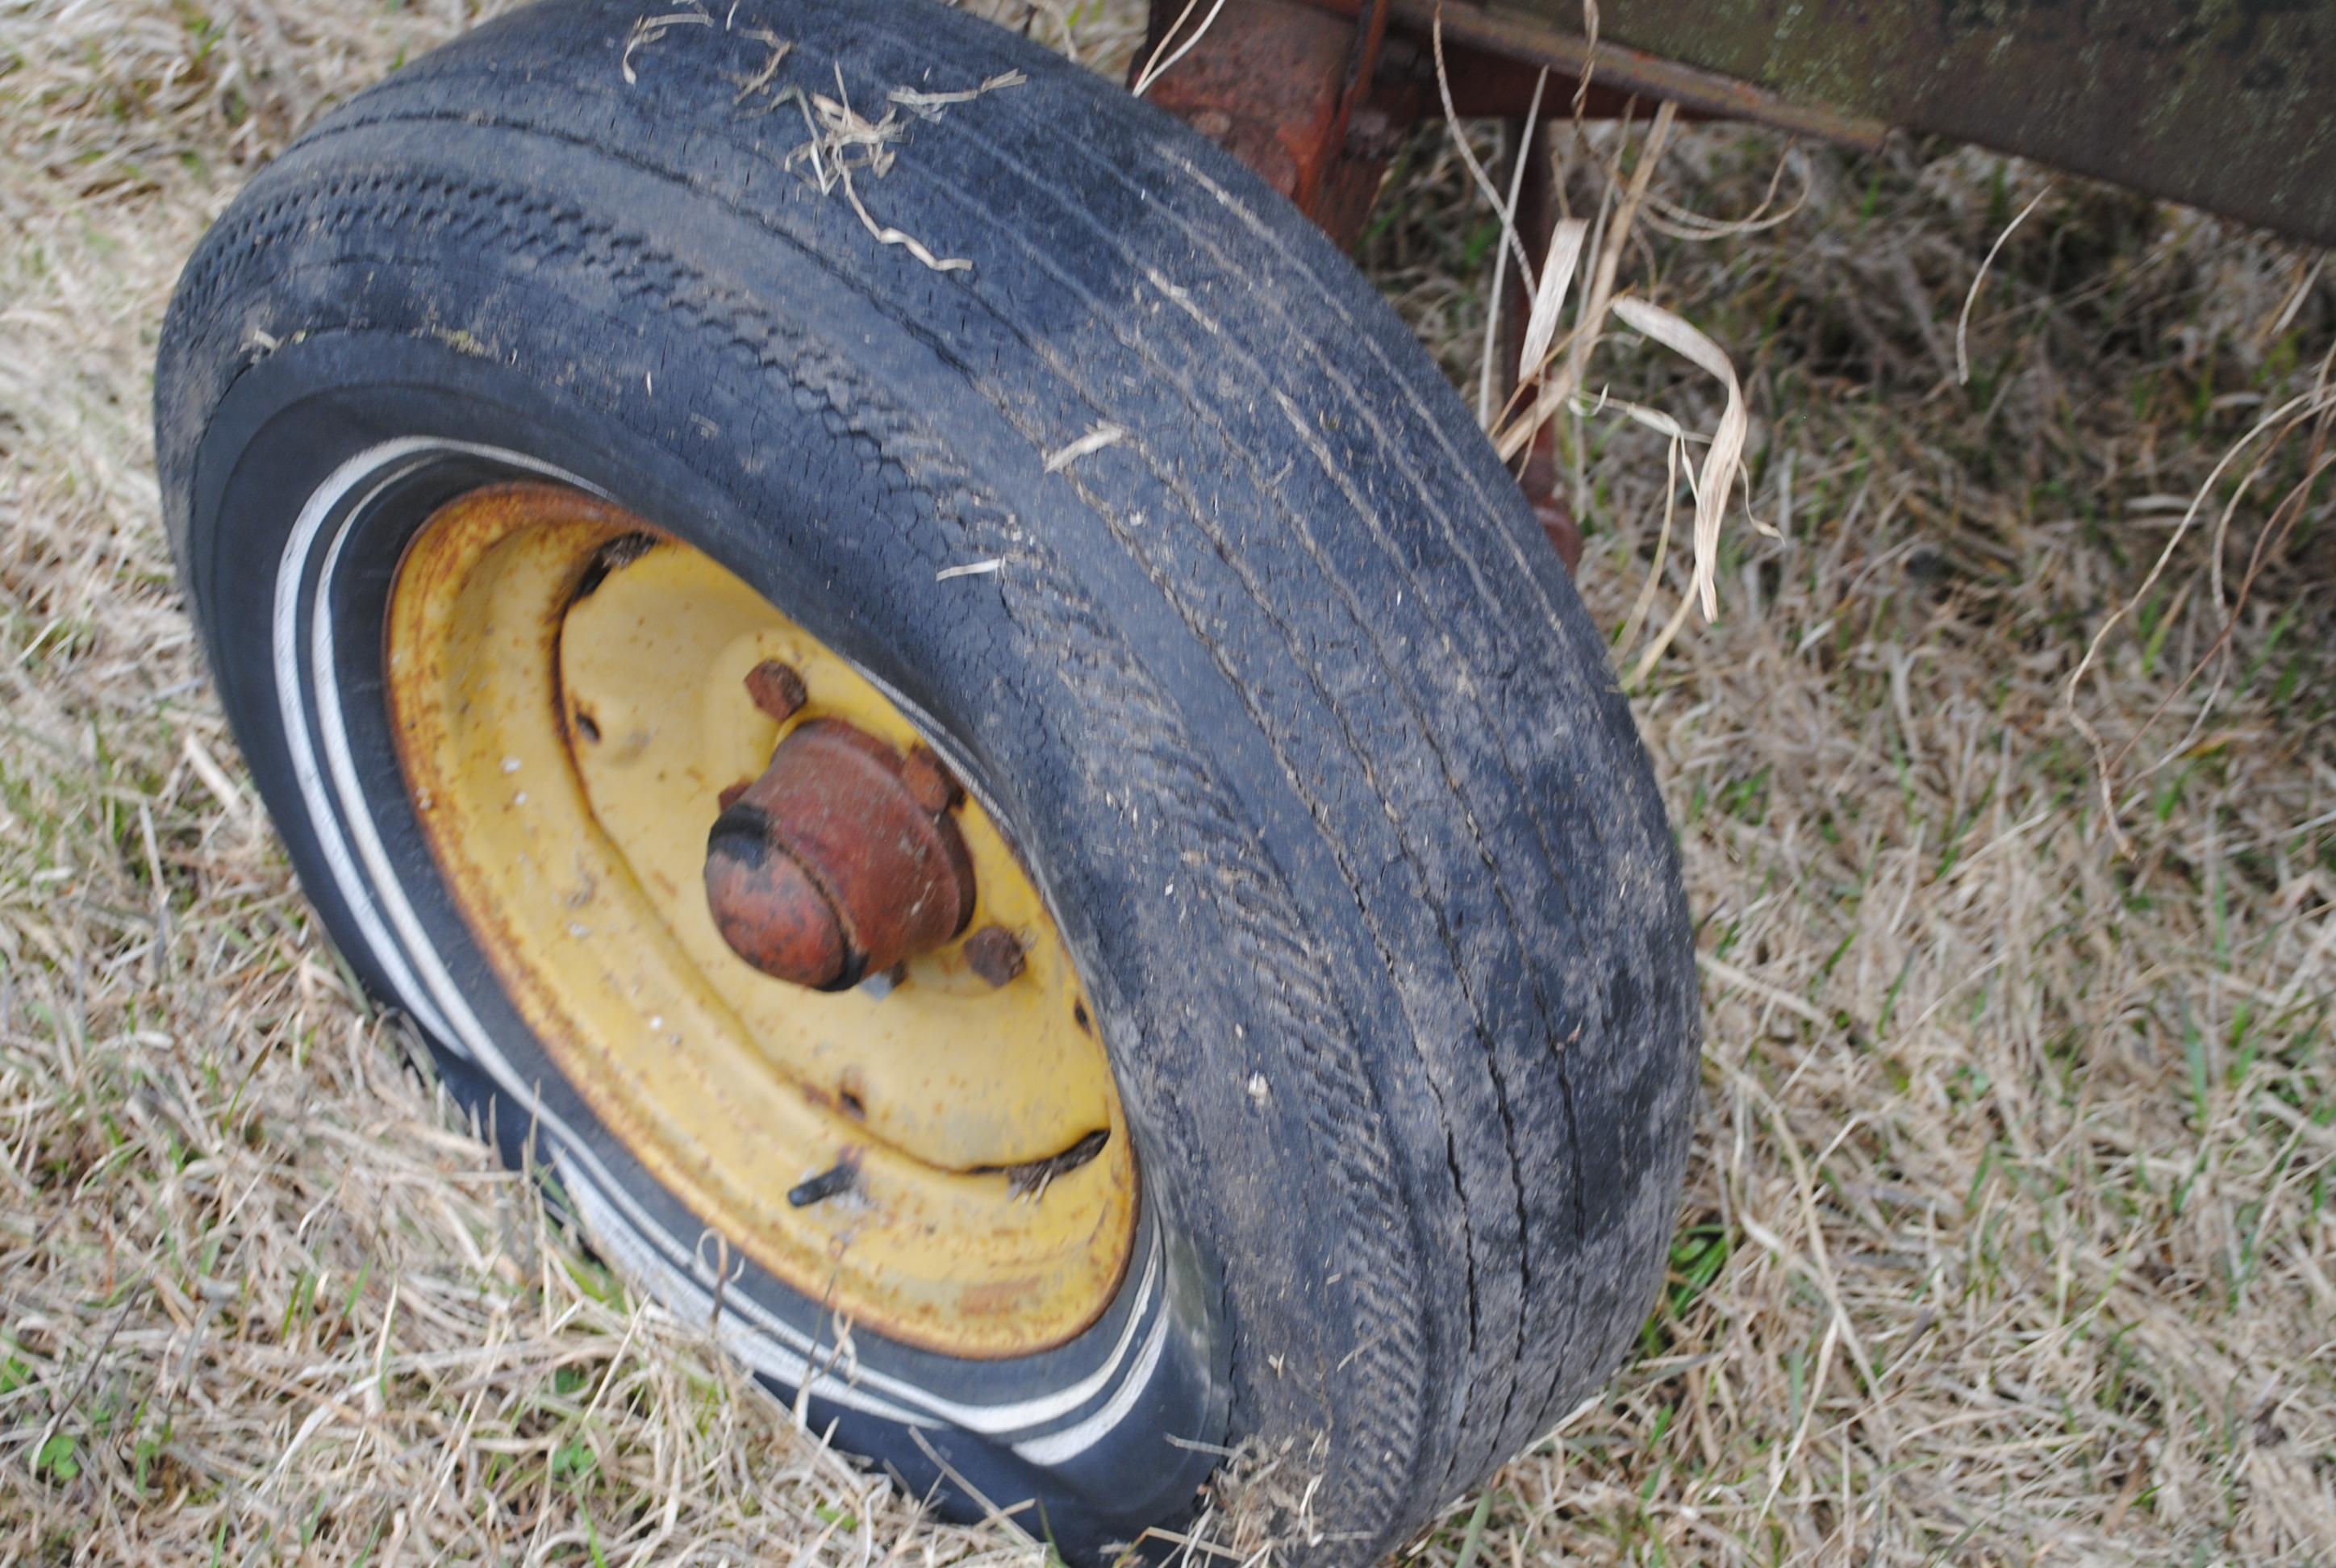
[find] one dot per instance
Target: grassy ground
(2007, 1239)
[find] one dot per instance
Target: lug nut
(777, 690)
(928, 782)
(995, 954)
(1213, 123)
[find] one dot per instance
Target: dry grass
(2009, 1239)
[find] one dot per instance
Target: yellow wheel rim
(568, 691)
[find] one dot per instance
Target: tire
(1285, 701)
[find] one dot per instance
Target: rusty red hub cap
(838, 862)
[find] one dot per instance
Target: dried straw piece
(1508, 210)
(843, 140)
(1725, 460)
(1094, 440)
(650, 29)
(1565, 242)
(1962, 321)
(1156, 67)
(760, 81)
(928, 106)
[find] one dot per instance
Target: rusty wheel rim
(937, 1153)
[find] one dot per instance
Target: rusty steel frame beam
(1493, 55)
(2223, 105)
(2220, 104)
(1292, 90)
(1316, 94)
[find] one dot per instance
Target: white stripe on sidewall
(692, 1302)
(284, 644)
(419, 975)
(1072, 1441)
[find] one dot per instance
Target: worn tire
(1293, 710)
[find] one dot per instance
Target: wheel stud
(994, 953)
(929, 782)
(839, 1177)
(777, 690)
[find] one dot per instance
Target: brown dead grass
(2008, 1240)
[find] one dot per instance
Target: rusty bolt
(839, 1177)
(1372, 135)
(777, 690)
(994, 953)
(1399, 62)
(929, 782)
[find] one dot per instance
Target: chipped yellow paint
(566, 742)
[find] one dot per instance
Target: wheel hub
(828, 868)
(648, 792)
